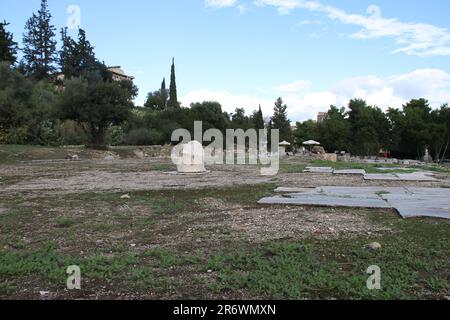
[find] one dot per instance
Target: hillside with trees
(67, 96)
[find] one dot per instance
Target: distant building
(118, 74)
(321, 116)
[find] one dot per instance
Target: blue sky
(244, 53)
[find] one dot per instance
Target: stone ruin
(191, 158)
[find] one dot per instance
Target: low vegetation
(120, 246)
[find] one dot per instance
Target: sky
(245, 53)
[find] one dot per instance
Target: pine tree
(280, 121)
(164, 94)
(77, 57)
(68, 56)
(173, 99)
(39, 44)
(86, 55)
(8, 48)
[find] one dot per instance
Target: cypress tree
(173, 99)
(39, 44)
(258, 119)
(8, 48)
(164, 94)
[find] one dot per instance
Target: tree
(415, 133)
(280, 121)
(15, 95)
(439, 130)
(240, 121)
(95, 105)
(8, 48)
(40, 44)
(155, 101)
(305, 131)
(211, 114)
(68, 56)
(164, 94)
(258, 119)
(364, 128)
(333, 132)
(26, 109)
(173, 98)
(77, 58)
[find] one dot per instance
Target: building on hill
(321, 116)
(116, 71)
(118, 74)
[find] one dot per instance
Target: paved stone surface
(319, 169)
(293, 190)
(416, 176)
(327, 201)
(350, 171)
(408, 201)
(380, 176)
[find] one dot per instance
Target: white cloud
(242, 8)
(220, 3)
(412, 38)
(303, 103)
(308, 22)
(295, 86)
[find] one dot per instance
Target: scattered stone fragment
(139, 154)
(125, 197)
(44, 293)
(375, 246)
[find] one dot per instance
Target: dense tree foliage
(367, 130)
(40, 55)
(8, 47)
(95, 106)
(86, 106)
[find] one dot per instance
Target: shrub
(115, 136)
(142, 137)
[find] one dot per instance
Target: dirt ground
(77, 206)
(133, 175)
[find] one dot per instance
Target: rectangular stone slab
(408, 201)
(361, 191)
(350, 171)
(420, 206)
(318, 170)
(416, 176)
(327, 201)
(293, 190)
(381, 176)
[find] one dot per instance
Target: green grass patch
(65, 222)
(414, 264)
